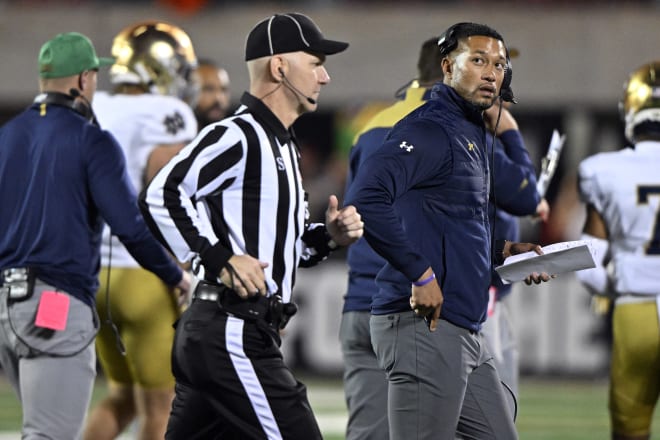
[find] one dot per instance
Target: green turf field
(549, 409)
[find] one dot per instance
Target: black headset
(448, 41)
(80, 106)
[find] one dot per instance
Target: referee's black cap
(291, 32)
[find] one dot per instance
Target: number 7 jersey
(624, 187)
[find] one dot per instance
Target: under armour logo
(407, 147)
(470, 146)
(174, 123)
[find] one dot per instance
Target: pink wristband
(425, 281)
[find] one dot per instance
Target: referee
(232, 202)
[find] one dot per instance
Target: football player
(622, 194)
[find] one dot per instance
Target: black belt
(270, 309)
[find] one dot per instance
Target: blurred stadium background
(574, 58)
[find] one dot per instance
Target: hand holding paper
(557, 258)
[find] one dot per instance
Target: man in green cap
(61, 177)
(68, 64)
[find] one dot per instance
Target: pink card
(53, 310)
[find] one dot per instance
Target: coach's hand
(426, 300)
(344, 225)
(519, 248)
(245, 275)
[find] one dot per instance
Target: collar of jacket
(266, 117)
(473, 113)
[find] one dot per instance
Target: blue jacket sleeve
(410, 155)
(514, 175)
(116, 199)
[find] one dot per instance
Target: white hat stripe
(302, 36)
(270, 38)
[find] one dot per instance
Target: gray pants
(442, 384)
(502, 345)
(54, 391)
(365, 383)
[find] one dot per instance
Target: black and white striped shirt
(237, 189)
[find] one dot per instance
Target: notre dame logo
(174, 123)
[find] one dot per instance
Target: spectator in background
(214, 93)
(61, 176)
(147, 115)
(621, 190)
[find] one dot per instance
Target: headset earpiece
(508, 76)
(506, 92)
(447, 41)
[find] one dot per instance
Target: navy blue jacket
(59, 177)
(514, 177)
(424, 199)
(363, 262)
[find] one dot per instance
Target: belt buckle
(207, 296)
(13, 275)
(17, 283)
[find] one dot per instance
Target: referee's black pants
(232, 383)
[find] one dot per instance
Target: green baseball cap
(69, 54)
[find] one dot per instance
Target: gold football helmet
(156, 55)
(641, 97)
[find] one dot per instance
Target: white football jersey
(140, 123)
(624, 187)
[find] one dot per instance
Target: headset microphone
(292, 87)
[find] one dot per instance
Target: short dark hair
(429, 64)
(449, 39)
